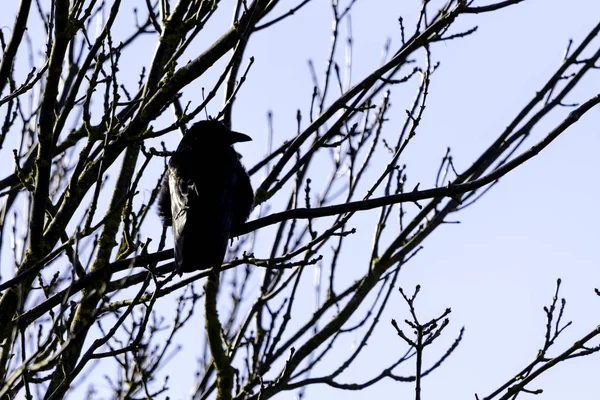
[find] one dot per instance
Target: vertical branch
(225, 371)
(170, 39)
(10, 51)
(236, 63)
(43, 161)
(9, 303)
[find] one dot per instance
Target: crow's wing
(164, 202)
(183, 194)
(202, 213)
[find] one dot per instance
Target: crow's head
(213, 132)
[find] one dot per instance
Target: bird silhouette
(206, 194)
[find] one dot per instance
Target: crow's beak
(235, 137)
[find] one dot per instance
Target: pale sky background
(496, 269)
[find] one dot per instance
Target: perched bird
(206, 195)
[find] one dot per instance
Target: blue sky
(498, 267)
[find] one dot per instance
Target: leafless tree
(89, 275)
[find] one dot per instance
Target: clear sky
(498, 267)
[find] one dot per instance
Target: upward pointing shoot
(208, 195)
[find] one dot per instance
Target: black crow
(206, 195)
